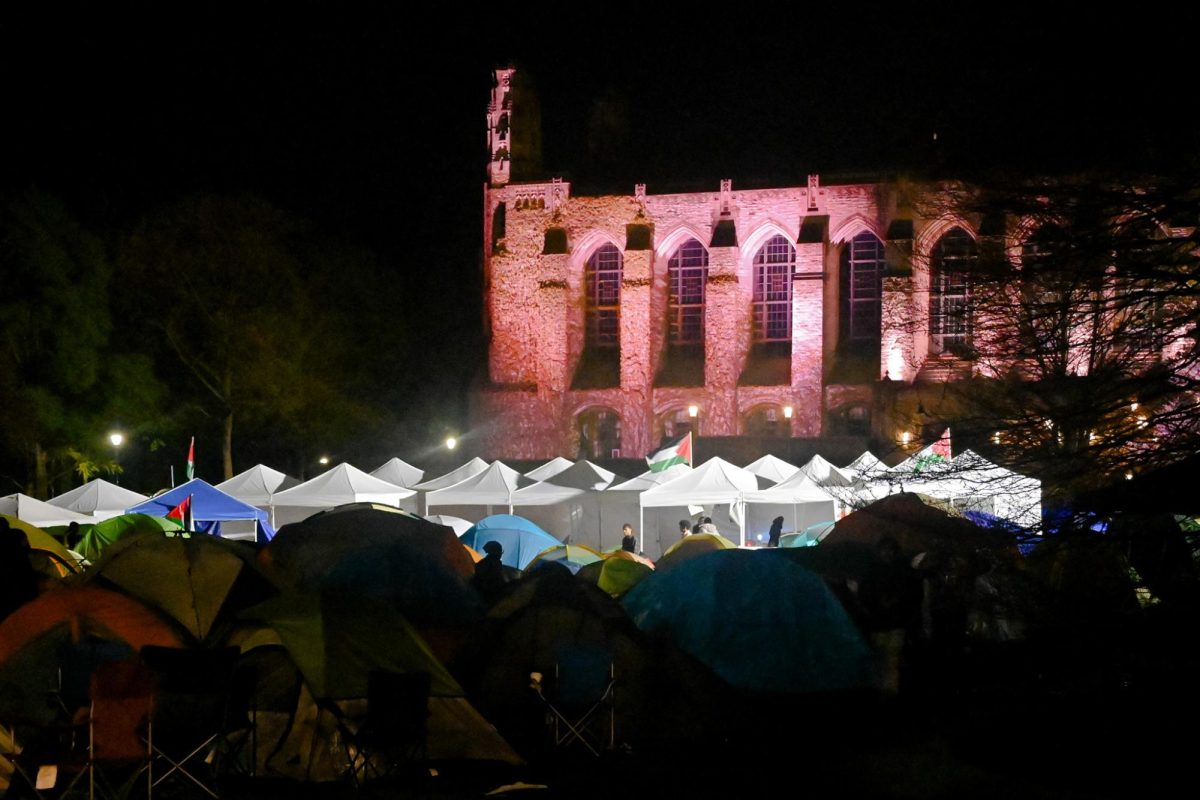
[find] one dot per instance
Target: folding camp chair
(394, 732)
(120, 734)
(193, 713)
(579, 700)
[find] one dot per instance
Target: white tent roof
(650, 479)
(550, 468)
(492, 487)
(772, 468)
(715, 481)
(98, 499)
(340, 485)
(37, 513)
(865, 465)
(825, 474)
(399, 473)
(576, 480)
(795, 490)
(456, 524)
(257, 485)
(467, 470)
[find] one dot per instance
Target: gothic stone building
(801, 311)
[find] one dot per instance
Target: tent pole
(641, 526)
(742, 522)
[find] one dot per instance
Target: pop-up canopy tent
(972, 483)
(493, 486)
(865, 466)
(799, 500)
(772, 468)
(399, 473)
(549, 469)
(213, 511)
(339, 486)
(98, 499)
(568, 503)
(619, 504)
(258, 485)
(35, 512)
(823, 473)
(467, 470)
(715, 482)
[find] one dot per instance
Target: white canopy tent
(470, 469)
(550, 468)
(456, 524)
(568, 503)
(799, 498)
(492, 487)
(865, 466)
(98, 499)
(258, 487)
(715, 482)
(772, 468)
(335, 487)
(973, 483)
(398, 472)
(619, 504)
(38, 513)
(826, 474)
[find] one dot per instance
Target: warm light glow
(116, 438)
(787, 412)
(323, 460)
(451, 443)
(1091, 436)
(996, 437)
(1128, 476)
(693, 411)
(905, 437)
(1133, 406)
(1141, 420)
(895, 364)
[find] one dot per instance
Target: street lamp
(451, 443)
(323, 461)
(116, 439)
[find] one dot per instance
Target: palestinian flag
(934, 454)
(191, 465)
(182, 513)
(671, 452)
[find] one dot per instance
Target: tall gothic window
(951, 262)
(603, 281)
(773, 268)
(687, 272)
(862, 288)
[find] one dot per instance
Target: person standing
(685, 528)
(775, 532)
(628, 538)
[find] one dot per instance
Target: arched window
(603, 281)
(951, 263)
(677, 422)
(687, 272)
(773, 268)
(862, 288)
(599, 433)
(766, 421)
(1046, 311)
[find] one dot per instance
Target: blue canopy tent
(210, 508)
(521, 539)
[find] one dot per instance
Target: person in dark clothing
(775, 532)
(18, 579)
(628, 538)
(490, 575)
(889, 599)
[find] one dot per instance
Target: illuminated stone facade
(802, 311)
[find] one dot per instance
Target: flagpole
(172, 476)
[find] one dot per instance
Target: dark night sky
(372, 127)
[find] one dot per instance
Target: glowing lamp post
(787, 412)
(116, 439)
(323, 461)
(451, 442)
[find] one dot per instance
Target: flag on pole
(191, 465)
(671, 452)
(182, 513)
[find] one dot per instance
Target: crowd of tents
(366, 587)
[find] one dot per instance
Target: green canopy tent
(99, 536)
